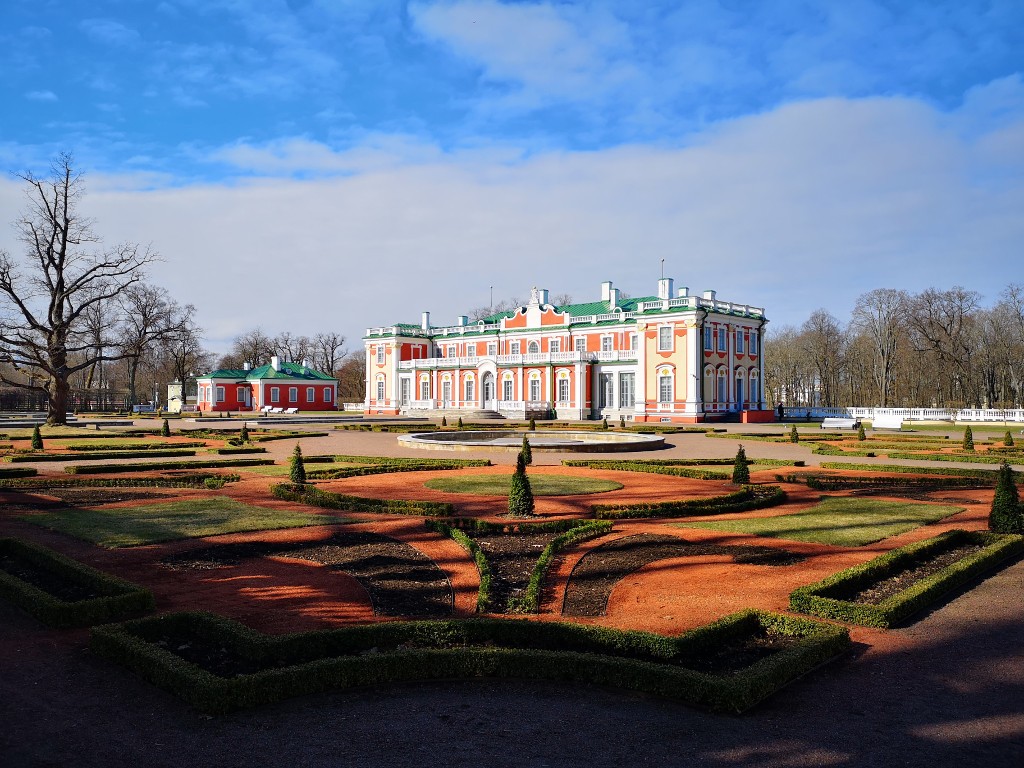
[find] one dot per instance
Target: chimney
(462, 321)
(275, 363)
(305, 362)
(683, 292)
(542, 296)
(665, 288)
(606, 290)
(247, 366)
(613, 298)
(709, 295)
(425, 321)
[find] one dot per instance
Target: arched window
(533, 347)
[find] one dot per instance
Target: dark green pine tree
(1008, 439)
(794, 436)
(968, 439)
(165, 429)
(860, 433)
(526, 451)
(1006, 516)
(37, 439)
(297, 470)
(243, 435)
(520, 495)
(740, 470)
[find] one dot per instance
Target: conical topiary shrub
(968, 439)
(1008, 439)
(533, 425)
(740, 470)
(860, 433)
(794, 436)
(444, 421)
(165, 429)
(520, 495)
(526, 451)
(604, 423)
(297, 470)
(459, 425)
(1006, 515)
(622, 422)
(37, 439)
(243, 435)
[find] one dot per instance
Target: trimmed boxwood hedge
(750, 497)
(308, 494)
(179, 481)
(675, 467)
(98, 469)
(383, 653)
(381, 465)
(824, 598)
(903, 468)
(232, 451)
(119, 598)
(840, 482)
(572, 531)
(18, 472)
(98, 455)
(153, 446)
(966, 458)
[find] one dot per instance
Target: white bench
(839, 422)
(266, 409)
(887, 421)
(291, 410)
(276, 410)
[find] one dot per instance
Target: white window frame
(293, 394)
(753, 344)
(328, 397)
(534, 390)
(424, 389)
(508, 391)
(469, 386)
(666, 379)
(564, 390)
(607, 343)
(709, 345)
(722, 338)
(275, 394)
(310, 394)
(380, 354)
(581, 343)
(514, 348)
(739, 341)
(554, 345)
(606, 390)
(492, 349)
(221, 394)
(380, 389)
(627, 394)
(633, 341)
(665, 338)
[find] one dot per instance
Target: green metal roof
(286, 371)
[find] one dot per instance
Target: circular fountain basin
(505, 440)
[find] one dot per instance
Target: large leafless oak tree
(65, 271)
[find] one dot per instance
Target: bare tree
(823, 341)
(65, 271)
(292, 348)
(881, 316)
(941, 325)
(328, 349)
(253, 347)
(149, 316)
(352, 378)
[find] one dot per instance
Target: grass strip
(114, 598)
(280, 667)
(825, 598)
(840, 521)
(184, 519)
(905, 469)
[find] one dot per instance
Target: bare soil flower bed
(512, 557)
(897, 582)
(68, 590)
(400, 580)
(596, 575)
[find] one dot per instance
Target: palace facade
(673, 357)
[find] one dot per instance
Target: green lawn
(841, 521)
(542, 485)
(152, 523)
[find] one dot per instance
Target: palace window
(310, 394)
(424, 389)
(293, 394)
(721, 339)
(380, 389)
(220, 394)
(632, 341)
(563, 390)
(533, 347)
(627, 388)
(665, 388)
(506, 390)
(380, 354)
(555, 345)
(514, 348)
(535, 390)
(753, 343)
(606, 387)
(275, 394)
(581, 343)
(492, 349)
(707, 338)
(469, 389)
(739, 341)
(328, 395)
(665, 338)
(606, 343)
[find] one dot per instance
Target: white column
(640, 384)
(695, 365)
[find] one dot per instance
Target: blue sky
(364, 161)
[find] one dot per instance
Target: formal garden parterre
(370, 538)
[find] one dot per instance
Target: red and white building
(277, 385)
(673, 357)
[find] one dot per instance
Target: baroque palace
(673, 357)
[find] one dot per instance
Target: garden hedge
(750, 497)
(529, 602)
(905, 469)
(153, 446)
(966, 458)
(98, 469)
(18, 472)
(383, 653)
(233, 451)
(675, 467)
(839, 482)
(826, 598)
(98, 455)
(308, 494)
(384, 466)
(118, 598)
(196, 480)
(445, 528)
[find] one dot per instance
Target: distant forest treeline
(897, 349)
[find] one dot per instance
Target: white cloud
(564, 51)
(41, 96)
(109, 32)
(809, 205)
